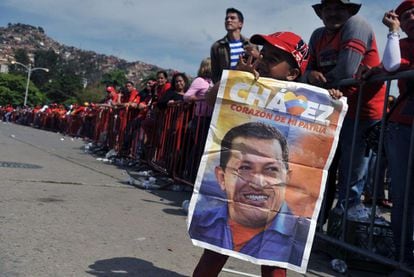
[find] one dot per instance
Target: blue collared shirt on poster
(284, 240)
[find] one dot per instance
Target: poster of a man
(253, 173)
(261, 179)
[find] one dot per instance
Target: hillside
(91, 65)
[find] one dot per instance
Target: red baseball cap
(288, 42)
(110, 89)
(405, 5)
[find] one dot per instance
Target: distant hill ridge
(91, 64)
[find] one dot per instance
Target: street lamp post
(29, 70)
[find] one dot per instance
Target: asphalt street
(64, 213)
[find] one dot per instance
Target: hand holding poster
(261, 180)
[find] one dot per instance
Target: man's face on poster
(254, 180)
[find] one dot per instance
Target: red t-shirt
(338, 56)
(162, 90)
(134, 97)
(112, 96)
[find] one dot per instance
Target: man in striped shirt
(225, 52)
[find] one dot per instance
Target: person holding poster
(253, 173)
(242, 211)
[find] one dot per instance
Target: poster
(260, 182)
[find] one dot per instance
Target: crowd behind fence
(172, 142)
(173, 146)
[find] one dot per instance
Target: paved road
(63, 213)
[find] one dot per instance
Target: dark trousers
(211, 263)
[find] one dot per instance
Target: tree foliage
(63, 82)
(67, 79)
(20, 56)
(12, 90)
(94, 93)
(115, 77)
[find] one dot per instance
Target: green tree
(63, 87)
(46, 59)
(12, 90)
(63, 83)
(21, 56)
(94, 93)
(116, 77)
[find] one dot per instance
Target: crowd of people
(344, 48)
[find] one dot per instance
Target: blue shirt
(236, 48)
(284, 240)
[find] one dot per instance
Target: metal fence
(370, 240)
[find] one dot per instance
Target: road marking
(239, 272)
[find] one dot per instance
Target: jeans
(360, 161)
(371, 182)
(397, 146)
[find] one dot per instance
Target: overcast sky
(171, 34)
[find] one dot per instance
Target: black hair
(180, 74)
(163, 72)
(239, 13)
(257, 130)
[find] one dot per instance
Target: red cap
(288, 42)
(110, 89)
(405, 5)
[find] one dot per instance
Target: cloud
(171, 34)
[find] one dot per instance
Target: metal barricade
(168, 125)
(178, 142)
(101, 126)
(375, 233)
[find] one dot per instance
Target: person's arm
(211, 95)
(215, 64)
(196, 86)
(312, 74)
(356, 38)
(162, 103)
(392, 54)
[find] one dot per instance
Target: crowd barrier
(171, 141)
(372, 240)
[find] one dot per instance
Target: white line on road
(239, 272)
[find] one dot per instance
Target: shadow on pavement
(128, 267)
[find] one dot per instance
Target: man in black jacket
(225, 52)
